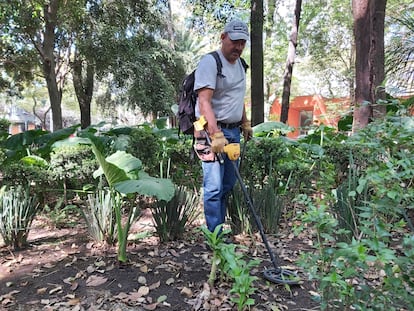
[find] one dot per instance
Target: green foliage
(261, 159)
(163, 154)
(124, 175)
(19, 173)
(145, 145)
(238, 212)
(269, 205)
(231, 264)
(59, 215)
(4, 127)
(73, 165)
(17, 210)
(27, 156)
(350, 196)
(172, 217)
(363, 249)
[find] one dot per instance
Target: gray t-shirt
(228, 97)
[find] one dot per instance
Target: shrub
(145, 145)
(73, 165)
(371, 268)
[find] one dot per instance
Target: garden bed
(63, 269)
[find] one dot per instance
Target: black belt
(229, 125)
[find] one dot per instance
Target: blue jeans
(218, 180)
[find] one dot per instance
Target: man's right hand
(218, 141)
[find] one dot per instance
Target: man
(221, 102)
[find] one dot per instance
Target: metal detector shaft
(256, 217)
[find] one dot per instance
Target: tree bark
(49, 63)
(83, 84)
(369, 18)
(287, 76)
(256, 62)
(377, 56)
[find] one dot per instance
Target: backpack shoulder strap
(216, 56)
(244, 64)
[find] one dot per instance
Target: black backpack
(188, 97)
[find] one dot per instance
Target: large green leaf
(270, 126)
(33, 160)
(113, 173)
(162, 189)
(125, 161)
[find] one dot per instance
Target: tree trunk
(377, 56)
(369, 60)
(83, 84)
(256, 62)
(287, 76)
(49, 63)
(271, 7)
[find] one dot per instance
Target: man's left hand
(247, 130)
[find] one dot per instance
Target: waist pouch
(203, 150)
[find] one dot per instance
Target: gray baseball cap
(237, 30)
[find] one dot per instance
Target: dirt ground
(63, 269)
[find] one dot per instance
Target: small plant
(17, 211)
(349, 195)
(232, 265)
(99, 215)
(59, 216)
(173, 216)
(269, 205)
(238, 212)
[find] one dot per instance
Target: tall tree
(32, 30)
(369, 16)
(256, 61)
(287, 77)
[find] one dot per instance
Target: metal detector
(275, 274)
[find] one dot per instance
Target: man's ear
(223, 36)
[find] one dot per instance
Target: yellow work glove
(233, 151)
(247, 130)
(218, 141)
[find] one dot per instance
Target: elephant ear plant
(125, 177)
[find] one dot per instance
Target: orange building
(305, 111)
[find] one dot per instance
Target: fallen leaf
(121, 296)
(45, 301)
(55, 290)
(95, 280)
(41, 291)
(142, 280)
(6, 301)
(187, 292)
(155, 285)
(143, 290)
(174, 253)
(100, 263)
(170, 281)
(144, 269)
(48, 266)
(74, 301)
(69, 280)
(151, 306)
(162, 298)
(74, 286)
